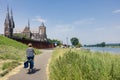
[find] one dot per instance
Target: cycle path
(40, 69)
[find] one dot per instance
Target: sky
(91, 21)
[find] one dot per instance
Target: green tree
(49, 40)
(103, 44)
(55, 41)
(74, 41)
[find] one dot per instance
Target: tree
(103, 44)
(74, 41)
(55, 41)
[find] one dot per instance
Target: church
(40, 36)
(9, 26)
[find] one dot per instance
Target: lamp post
(67, 41)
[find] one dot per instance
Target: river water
(104, 49)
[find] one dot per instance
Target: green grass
(12, 51)
(10, 42)
(83, 65)
(8, 66)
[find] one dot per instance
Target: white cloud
(116, 11)
(63, 28)
(39, 19)
(70, 30)
(85, 34)
(85, 21)
(117, 27)
(62, 31)
(99, 29)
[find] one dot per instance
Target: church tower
(9, 24)
(26, 32)
(42, 32)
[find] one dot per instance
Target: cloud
(64, 28)
(72, 29)
(117, 27)
(116, 11)
(99, 29)
(62, 31)
(39, 19)
(85, 21)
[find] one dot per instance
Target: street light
(67, 41)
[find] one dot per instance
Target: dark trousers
(30, 61)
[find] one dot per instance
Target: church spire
(42, 24)
(12, 21)
(9, 24)
(7, 19)
(7, 9)
(28, 24)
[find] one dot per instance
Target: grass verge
(8, 66)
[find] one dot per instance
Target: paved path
(40, 73)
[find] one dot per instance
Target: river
(104, 49)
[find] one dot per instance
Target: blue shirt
(30, 52)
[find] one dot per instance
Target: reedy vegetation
(84, 65)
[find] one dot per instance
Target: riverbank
(113, 50)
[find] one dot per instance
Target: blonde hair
(30, 44)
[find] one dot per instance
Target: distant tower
(26, 32)
(28, 24)
(42, 32)
(9, 24)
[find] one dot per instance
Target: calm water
(104, 49)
